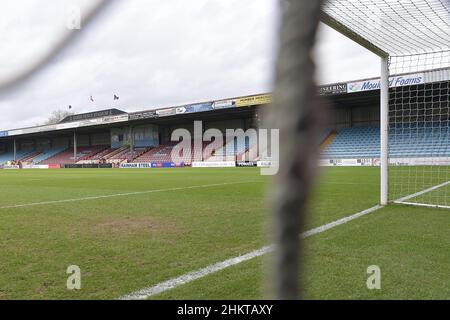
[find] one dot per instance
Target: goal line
(404, 200)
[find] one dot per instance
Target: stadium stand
(420, 140)
(325, 134)
(364, 142)
(101, 155)
(44, 155)
(4, 158)
(329, 138)
(231, 151)
(163, 153)
(159, 154)
(29, 158)
(126, 155)
(66, 156)
(354, 143)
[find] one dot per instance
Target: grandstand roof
(361, 92)
(392, 27)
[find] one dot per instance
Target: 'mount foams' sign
(396, 81)
(92, 115)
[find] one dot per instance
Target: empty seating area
(200, 151)
(354, 142)
(67, 157)
(46, 154)
(158, 154)
(404, 141)
(5, 157)
(125, 154)
(231, 150)
(419, 141)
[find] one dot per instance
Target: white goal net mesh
(415, 35)
(419, 129)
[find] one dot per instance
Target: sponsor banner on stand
(92, 115)
(224, 104)
(246, 163)
(71, 125)
(180, 110)
(395, 81)
(199, 107)
(213, 164)
(254, 100)
(114, 119)
(166, 112)
(3, 133)
(150, 114)
(338, 88)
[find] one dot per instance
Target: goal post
(384, 130)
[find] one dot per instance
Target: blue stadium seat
(405, 140)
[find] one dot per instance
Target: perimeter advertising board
(213, 164)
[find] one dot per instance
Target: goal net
(419, 129)
(412, 38)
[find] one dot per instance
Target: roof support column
(15, 150)
(75, 151)
(131, 144)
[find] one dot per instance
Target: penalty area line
(124, 194)
(194, 275)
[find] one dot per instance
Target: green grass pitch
(197, 217)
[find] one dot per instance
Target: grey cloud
(154, 53)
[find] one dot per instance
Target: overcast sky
(153, 53)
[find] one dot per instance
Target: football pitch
(133, 229)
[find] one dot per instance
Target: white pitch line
(194, 275)
(123, 194)
(423, 205)
(422, 192)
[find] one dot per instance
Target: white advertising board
(213, 164)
